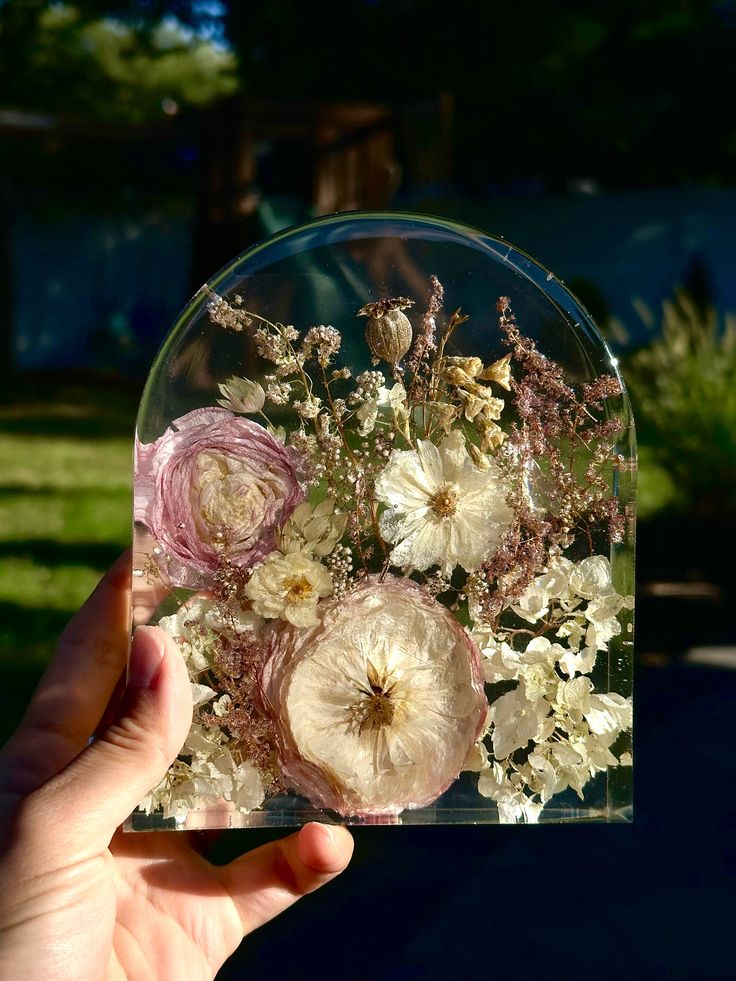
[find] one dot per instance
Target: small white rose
(289, 586)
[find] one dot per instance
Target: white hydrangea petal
(367, 415)
(592, 577)
(201, 694)
(516, 720)
(581, 662)
(556, 581)
(533, 604)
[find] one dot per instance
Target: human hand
(80, 899)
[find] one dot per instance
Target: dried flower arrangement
(402, 587)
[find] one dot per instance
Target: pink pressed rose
(379, 705)
(214, 484)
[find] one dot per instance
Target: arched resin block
(384, 502)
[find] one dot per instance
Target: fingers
(268, 880)
(100, 788)
(77, 685)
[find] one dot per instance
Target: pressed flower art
(394, 549)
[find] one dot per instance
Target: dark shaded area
(687, 584)
(99, 555)
(544, 94)
(18, 625)
(624, 93)
(71, 404)
(81, 427)
(687, 548)
(586, 901)
(25, 639)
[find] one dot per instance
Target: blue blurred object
(98, 290)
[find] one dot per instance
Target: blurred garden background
(144, 144)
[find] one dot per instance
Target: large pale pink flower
(377, 707)
(215, 484)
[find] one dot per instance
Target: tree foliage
(683, 384)
(64, 58)
(626, 93)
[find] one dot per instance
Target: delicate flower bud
(476, 399)
(314, 530)
(458, 370)
(492, 436)
(442, 414)
(479, 459)
(241, 395)
(456, 376)
(388, 331)
(499, 372)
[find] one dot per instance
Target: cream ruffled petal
(386, 637)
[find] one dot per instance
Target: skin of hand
(79, 898)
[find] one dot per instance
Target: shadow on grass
(83, 427)
(20, 681)
(51, 490)
(91, 408)
(28, 637)
(50, 553)
(26, 632)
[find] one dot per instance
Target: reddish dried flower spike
(554, 425)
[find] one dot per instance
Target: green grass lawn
(65, 505)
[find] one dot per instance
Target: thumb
(100, 788)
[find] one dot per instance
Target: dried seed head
(381, 307)
(388, 331)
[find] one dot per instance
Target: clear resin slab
(384, 503)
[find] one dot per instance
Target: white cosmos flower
(379, 707)
(441, 509)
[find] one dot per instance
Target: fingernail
(146, 657)
(327, 831)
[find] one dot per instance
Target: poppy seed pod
(388, 331)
